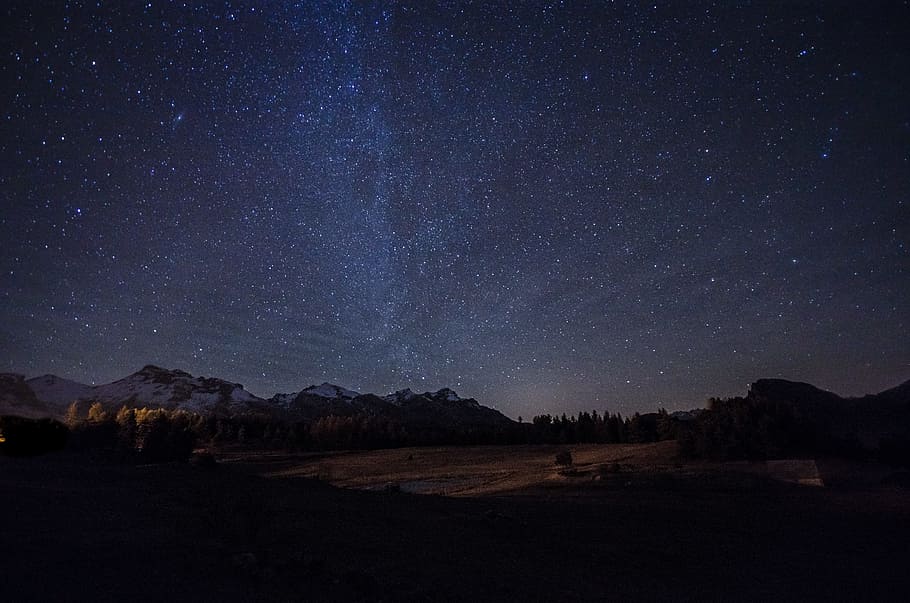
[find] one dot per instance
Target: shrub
(564, 458)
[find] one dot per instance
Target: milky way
(548, 207)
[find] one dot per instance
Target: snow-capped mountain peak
(330, 390)
(406, 395)
(284, 399)
(402, 395)
(447, 394)
(156, 386)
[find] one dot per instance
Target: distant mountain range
(864, 418)
(155, 387)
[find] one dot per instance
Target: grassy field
(631, 522)
(470, 470)
(474, 471)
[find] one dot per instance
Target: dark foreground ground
(73, 530)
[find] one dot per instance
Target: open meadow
(471, 470)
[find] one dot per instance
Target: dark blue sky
(549, 208)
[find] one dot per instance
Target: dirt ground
(623, 523)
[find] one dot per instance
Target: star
(547, 208)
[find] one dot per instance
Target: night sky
(547, 207)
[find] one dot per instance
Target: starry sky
(547, 206)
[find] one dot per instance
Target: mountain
(442, 408)
(864, 419)
(686, 416)
(153, 386)
(897, 395)
(317, 400)
(781, 389)
(57, 392)
(17, 398)
(402, 395)
(407, 396)
(324, 400)
(330, 390)
(156, 387)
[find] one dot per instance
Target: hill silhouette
(779, 418)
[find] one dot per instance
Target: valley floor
(628, 522)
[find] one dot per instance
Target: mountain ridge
(175, 389)
(865, 419)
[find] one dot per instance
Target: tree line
(595, 428)
(144, 434)
(160, 434)
(731, 428)
(156, 434)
